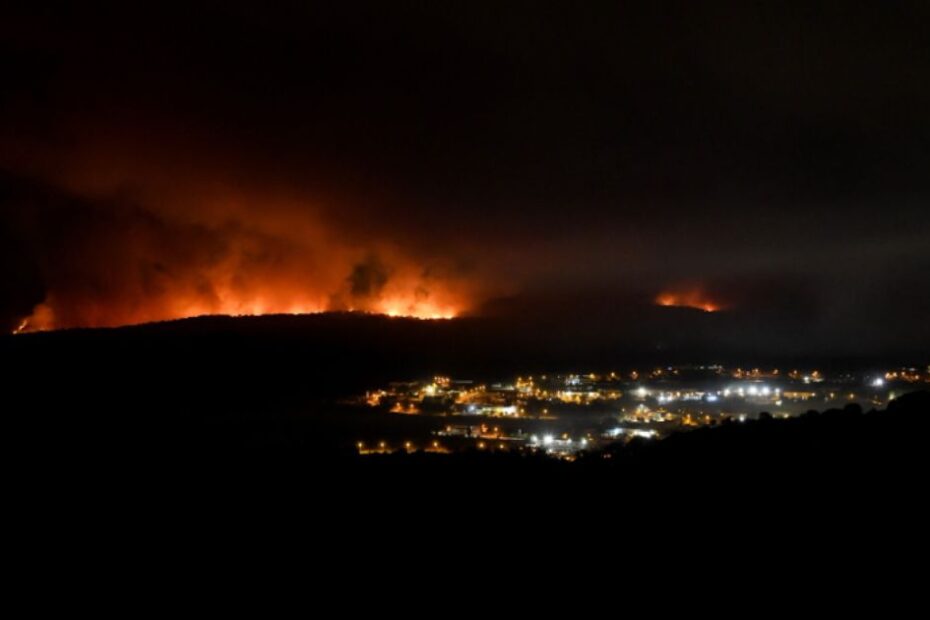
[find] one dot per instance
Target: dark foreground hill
(272, 362)
(215, 400)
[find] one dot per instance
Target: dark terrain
(258, 398)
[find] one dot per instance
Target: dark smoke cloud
(368, 277)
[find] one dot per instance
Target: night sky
(526, 159)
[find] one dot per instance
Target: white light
(711, 398)
(766, 391)
(642, 392)
(753, 390)
(878, 382)
(547, 440)
(742, 418)
(726, 392)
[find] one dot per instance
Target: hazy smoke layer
(439, 159)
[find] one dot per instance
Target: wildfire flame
(43, 317)
(398, 300)
(694, 298)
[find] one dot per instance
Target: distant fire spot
(688, 299)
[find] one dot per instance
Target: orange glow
(405, 294)
(693, 298)
(200, 240)
(414, 308)
(43, 316)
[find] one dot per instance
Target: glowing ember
(694, 298)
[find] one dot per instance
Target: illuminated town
(562, 415)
